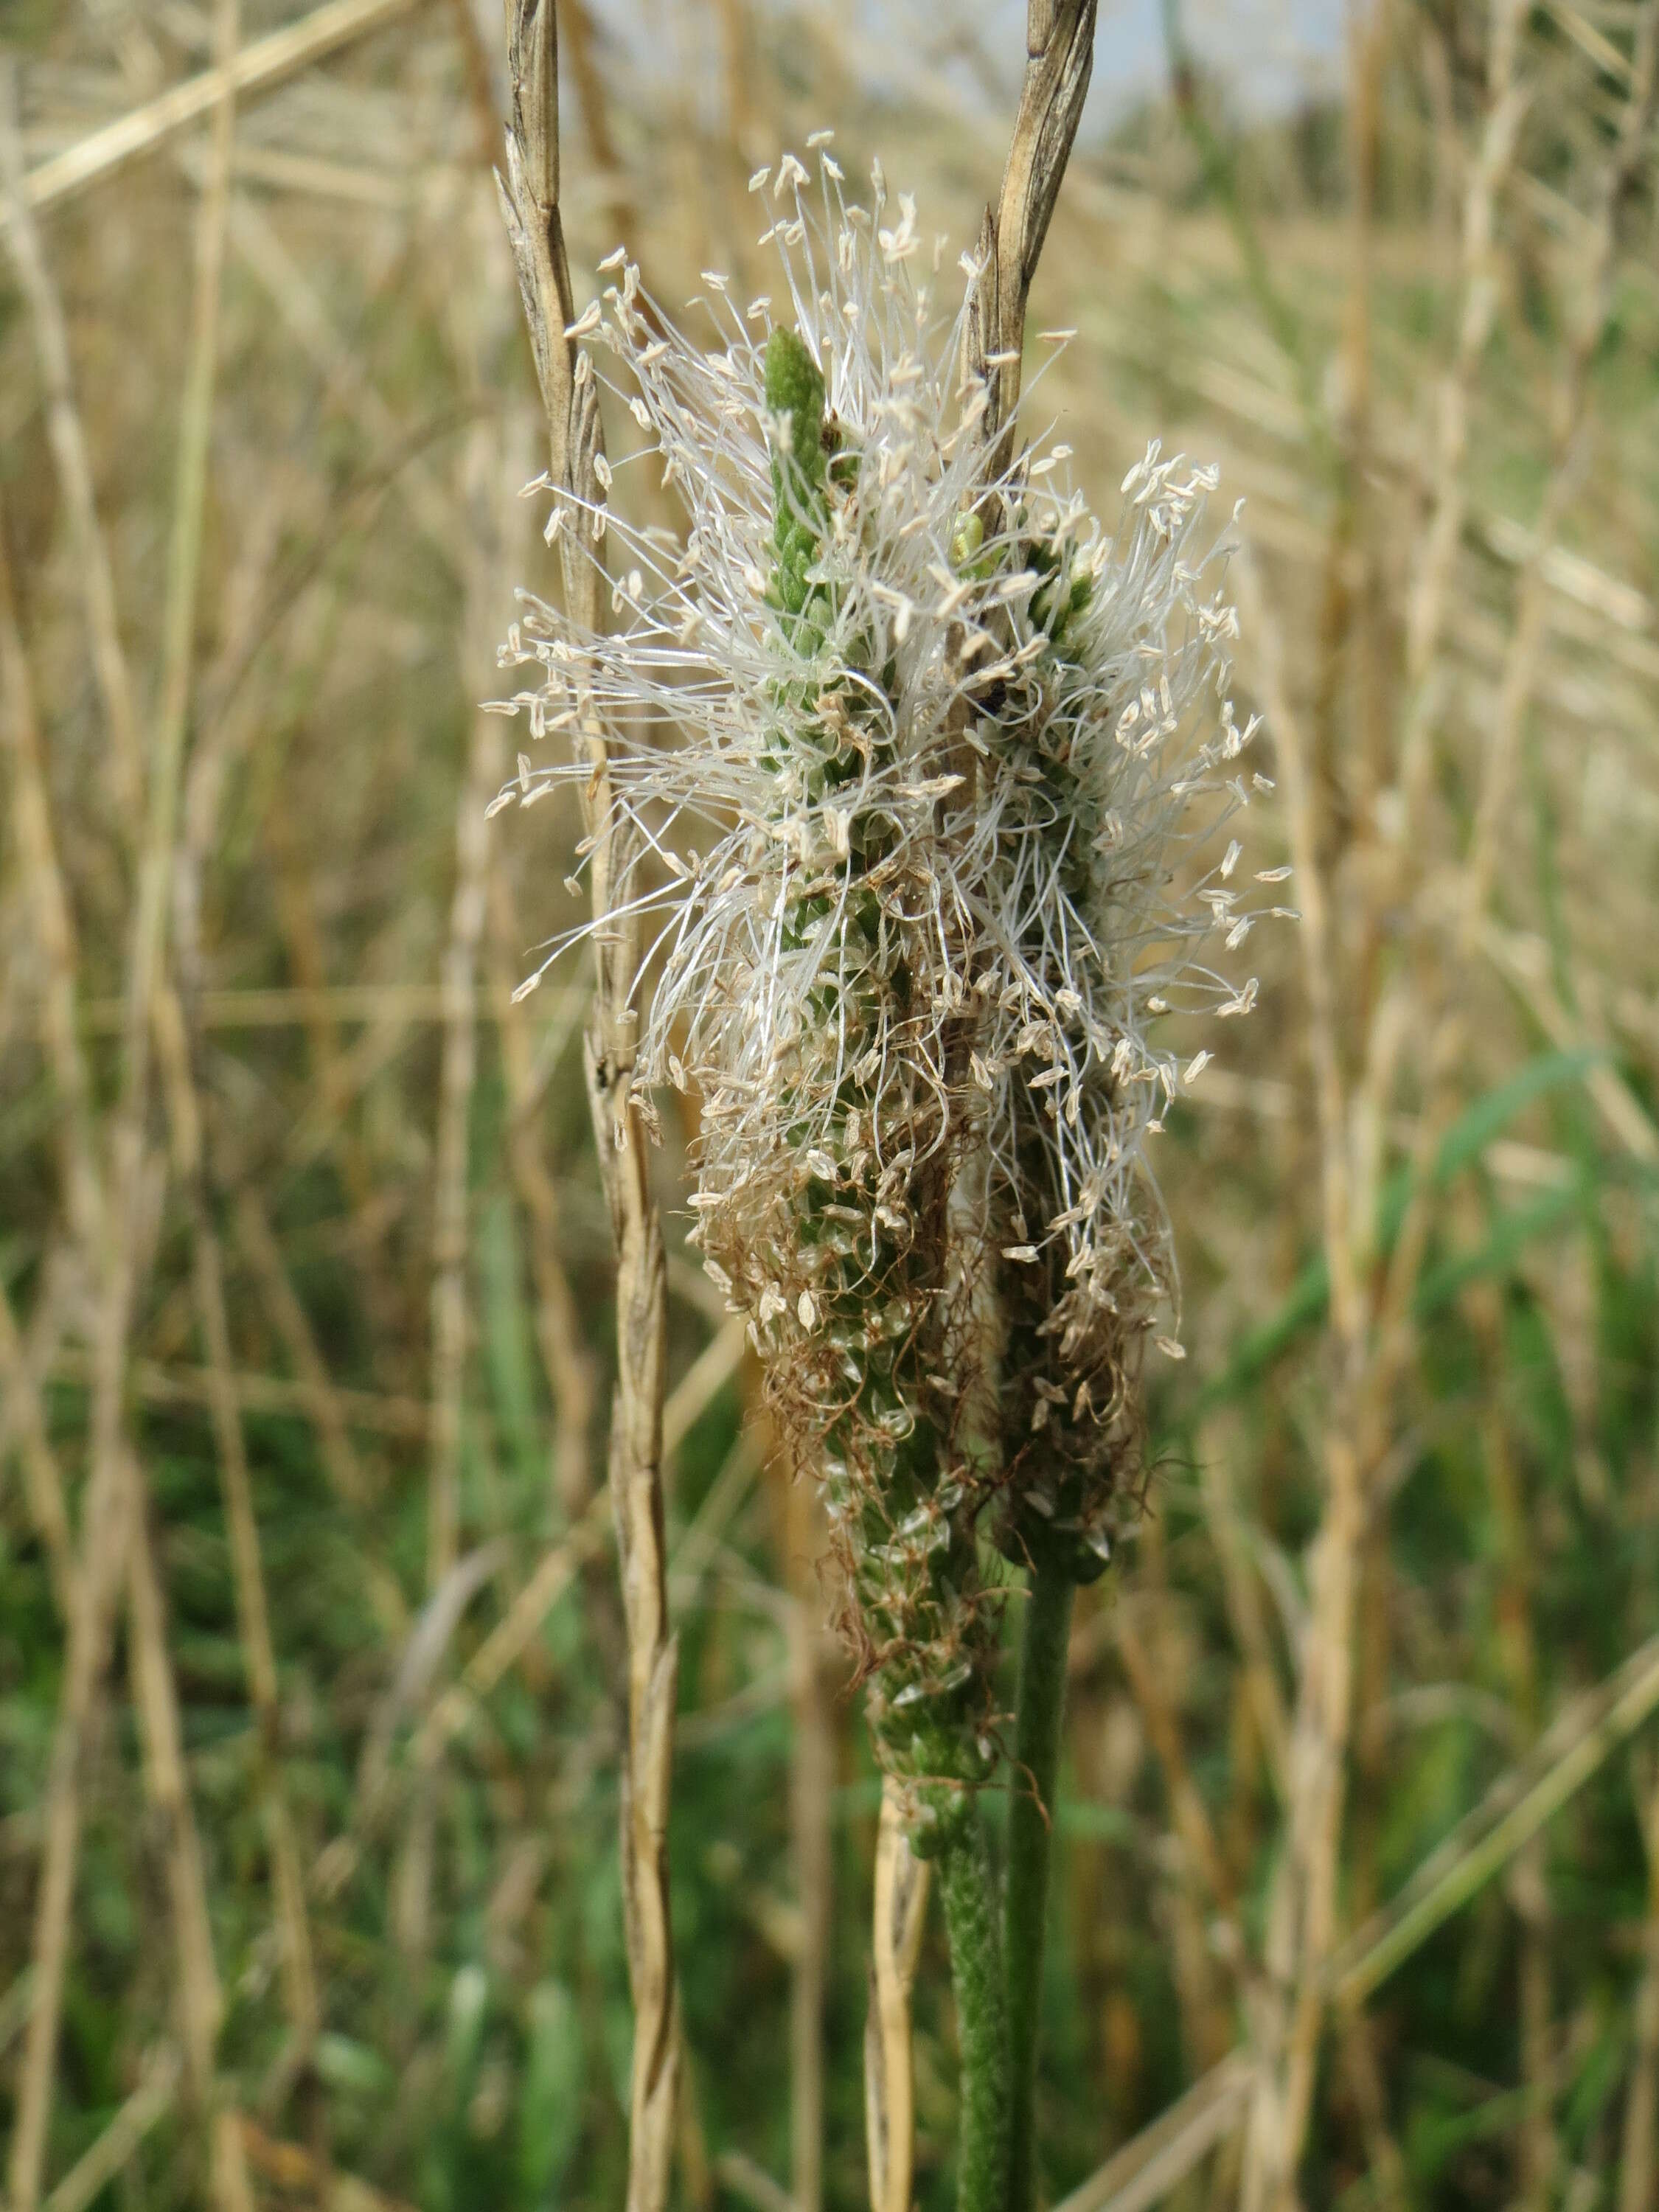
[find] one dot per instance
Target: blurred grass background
(347, 1783)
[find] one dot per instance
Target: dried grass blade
(902, 1881)
(1161, 2156)
(148, 2105)
(293, 1326)
(530, 201)
(260, 67)
(111, 1503)
(69, 448)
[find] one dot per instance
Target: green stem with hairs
(970, 1919)
(1031, 1833)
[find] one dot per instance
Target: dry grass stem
(295, 2171)
(1639, 2137)
(1429, 598)
(185, 1111)
(1301, 1924)
(148, 2105)
(565, 1359)
(902, 1881)
(298, 1340)
(41, 1473)
(383, 1413)
(261, 67)
(1203, 1889)
(69, 446)
(1241, 1583)
(458, 1068)
(110, 1505)
(332, 1005)
(1162, 2155)
(201, 2001)
(511, 1636)
(530, 195)
(1510, 1813)
(257, 241)
(1569, 431)
(752, 2183)
(54, 921)
(1059, 45)
(811, 1782)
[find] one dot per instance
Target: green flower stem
(1030, 1831)
(970, 1919)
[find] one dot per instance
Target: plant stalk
(969, 1892)
(1031, 1833)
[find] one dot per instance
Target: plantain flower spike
(915, 773)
